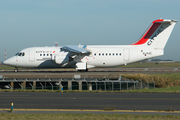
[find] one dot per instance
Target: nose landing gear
(15, 70)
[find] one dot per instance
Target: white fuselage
(100, 56)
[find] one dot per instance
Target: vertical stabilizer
(157, 34)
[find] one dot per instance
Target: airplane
(83, 57)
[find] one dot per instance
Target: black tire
(83, 70)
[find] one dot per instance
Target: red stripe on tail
(149, 32)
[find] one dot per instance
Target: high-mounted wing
(76, 49)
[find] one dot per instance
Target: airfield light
(11, 107)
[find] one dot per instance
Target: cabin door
(31, 55)
(126, 54)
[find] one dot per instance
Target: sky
(36, 23)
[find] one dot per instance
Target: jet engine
(59, 59)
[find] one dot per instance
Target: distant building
(158, 60)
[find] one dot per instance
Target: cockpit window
(16, 54)
(20, 54)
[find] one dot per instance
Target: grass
(152, 64)
(70, 116)
(173, 76)
(4, 67)
(161, 80)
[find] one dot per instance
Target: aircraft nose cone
(5, 62)
(10, 62)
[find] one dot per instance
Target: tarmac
(91, 101)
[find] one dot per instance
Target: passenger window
(102, 54)
(43, 54)
(106, 54)
(40, 54)
(120, 54)
(116, 53)
(99, 54)
(94, 54)
(50, 54)
(113, 54)
(109, 53)
(47, 54)
(23, 54)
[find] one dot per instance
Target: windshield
(16, 54)
(20, 54)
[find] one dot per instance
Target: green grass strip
(161, 80)
(89, 116)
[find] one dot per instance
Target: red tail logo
(149, 32)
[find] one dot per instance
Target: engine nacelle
(60, 59)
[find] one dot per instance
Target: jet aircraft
(83, 57)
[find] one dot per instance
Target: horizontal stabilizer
(76, 49)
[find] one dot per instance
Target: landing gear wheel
(83, 70)
(15, 70)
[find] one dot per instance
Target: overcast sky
(36, 23)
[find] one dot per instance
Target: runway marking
(87, 110)
(94, 98)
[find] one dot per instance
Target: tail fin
(157, 34)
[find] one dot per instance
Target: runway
(91, 101)
(111, 73)
(114, 69)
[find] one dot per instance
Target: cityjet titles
(155, 35)
(44, 52)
